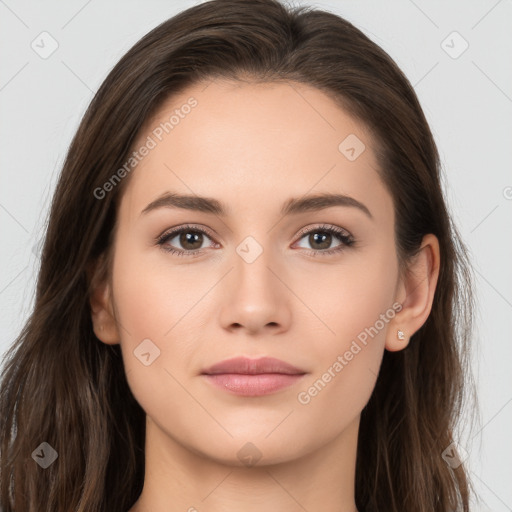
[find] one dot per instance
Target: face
(260, 272)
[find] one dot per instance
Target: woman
(251, 293)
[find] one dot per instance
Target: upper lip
(247, 366)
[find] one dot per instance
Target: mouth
(252, 377)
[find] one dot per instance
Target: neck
(178, 479)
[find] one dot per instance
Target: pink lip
(247, 366)
(253, 377)
(253, 385)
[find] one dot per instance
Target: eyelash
(347, 240)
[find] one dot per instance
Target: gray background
(467, 98)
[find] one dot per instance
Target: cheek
(154, 306)
(153, 298)
(352, 297)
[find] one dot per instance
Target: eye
(320, 239)
(191, 239)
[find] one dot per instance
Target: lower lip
(253, 385)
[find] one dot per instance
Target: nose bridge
(252, 262)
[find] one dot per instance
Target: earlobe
(397, 340)
(419, 287)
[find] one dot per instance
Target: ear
(100, 299)
(416, 294)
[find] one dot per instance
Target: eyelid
(183, 227)
(321, 226)
(303, 231)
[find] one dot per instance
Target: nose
(255, 297)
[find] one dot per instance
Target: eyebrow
(293, 206)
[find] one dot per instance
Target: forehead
(249, 144)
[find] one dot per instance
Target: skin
(253, 147)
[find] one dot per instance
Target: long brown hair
(60, 385)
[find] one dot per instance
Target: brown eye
(190, 240)
(183, 241)
(321, 238)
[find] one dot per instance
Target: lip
(252, 377)
(247, 366)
